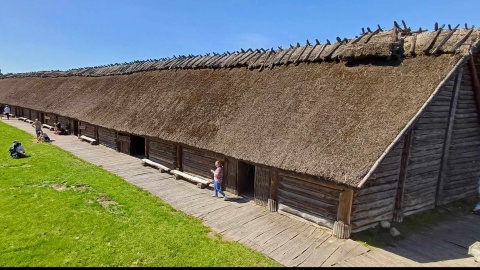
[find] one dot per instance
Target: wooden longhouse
(344, 134)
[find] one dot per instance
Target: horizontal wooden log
(198, 153)
(416, 183)
(384, 174)
(433, 163)
(380, 188)
(420, 208)
(381, 181)
(153, 164)
(319, 220)
(465, 125)
(88, 139)
(419, 197)
(420, 171)
(426, 120)
(288, 176)
(198, 160)
(426, 152)
(458, 159)
(203, 173)
(364, 206)
(371, 220)
(307, 204)
(456, 172)
(163, 147)
(459, 177)
(433, 108)
(462, 189)
(388, 167)
(375, 196)
(427, 186)
(432, 126)
(461, 182)
(196, 179)
(322, 197)
(452, 198)
(168, 158)
(51, 128)
(391, 159)
(373, 212)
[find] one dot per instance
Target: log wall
(35, 114)
(428, 139)
(49, 119)
(263, 178)
(463, 168)
(308, 198)
(198, 162)
(375, 201)
(163, 152)
(13, 109)
(107, 137)
(88, 131)
(26, 113)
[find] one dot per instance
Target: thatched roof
(328, 119)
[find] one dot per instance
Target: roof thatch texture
(377, 44)
(326, 119)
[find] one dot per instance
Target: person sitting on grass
(17, 150)
(43, 137)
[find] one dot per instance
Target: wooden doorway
(75, 127)
(123, 143)
(137, 146)
(246, 179)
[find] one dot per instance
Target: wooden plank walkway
(289, 241)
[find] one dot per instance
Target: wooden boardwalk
(289, 241)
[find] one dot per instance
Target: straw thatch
(303, 112)
(377, 44)
(326, 119)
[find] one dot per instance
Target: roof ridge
(369, 44)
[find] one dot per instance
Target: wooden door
(123, 142)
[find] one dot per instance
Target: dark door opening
(137, 146)
(246, 179)
(75, 128)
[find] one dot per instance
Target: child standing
(217, 180)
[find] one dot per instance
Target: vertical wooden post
(179, 158)
(117, 141)
(147, 147)
(97, 136)
(398, 211)
(342, 228)
(448, 137)
(273, 200)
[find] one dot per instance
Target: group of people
(42, 136)
(17, 150)
(4, 110)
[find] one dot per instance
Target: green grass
(51, 214)
(379, 237)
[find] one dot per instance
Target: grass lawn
(58, 210)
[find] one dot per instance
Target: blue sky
(64, 34)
